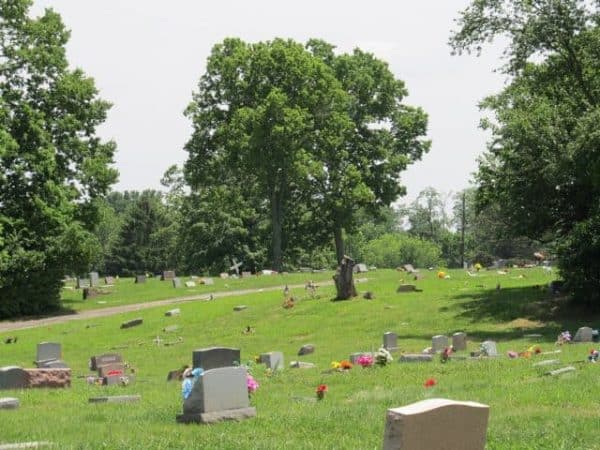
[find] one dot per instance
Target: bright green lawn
(528, 410)
(125, 291)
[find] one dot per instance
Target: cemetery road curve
(95, 313)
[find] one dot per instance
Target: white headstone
(489, 348)
(190, 284)
(437, 423)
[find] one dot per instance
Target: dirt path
(94, 313)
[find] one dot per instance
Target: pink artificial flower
(252, 384)
(365, 360)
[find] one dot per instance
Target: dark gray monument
(215, 357)
(13, 377)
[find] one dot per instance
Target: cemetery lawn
(125, 291)
(528, 410)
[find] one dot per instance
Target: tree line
(295, 159)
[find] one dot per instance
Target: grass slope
(528, 410)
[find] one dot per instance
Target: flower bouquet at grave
(445, 355)
(593, 356)
(252, 384)
(563, 338)
(365, 361)
(341, 366)
(321, 389)
(382, 357)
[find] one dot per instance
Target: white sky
(148, 55)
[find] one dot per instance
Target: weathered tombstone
(94, 279)
(140, 279)
(246, 274)
(409, 268)
(273, 360)
(220, 394)
(176, 282)
(109, 280)
(105, 359)
(116, 399)
(439, 343)
(90, 292)
(406, 288)
(489, 348)
(416, 357)
(584, 334)
(111, 370)
(360, 268)
(173, 312)
(306, 349)
(239, 307)
(167, 275)
(459, 341)
(302, 365)
(390, 341)
(208, 281)
(132, 323)
(190, 284)
(9, 403)
(215, 357)
(223, 275)
(437, 423)
(13, 377)
(47, 351)
(83, 282)
(344, 283)
(171, 328)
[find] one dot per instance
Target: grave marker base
(217, 416)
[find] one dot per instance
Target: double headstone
(459, 341)
(215, 357)
(439, 343)
(437, 424)
(390, 341)
(105, 359)
(219, 394)
(273, 360)
(110, 367)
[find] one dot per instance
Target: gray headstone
(437, 423)
(132, 323)
(94, 279)
(246, 274)
(111, 370)
(215, 357)
(173, 312)
(306, 349)
(208, 281)
(109, 280)
(83, 282)
(489, 348)
(459, 341)
(176, 282)
(584, 334)
(190, 284)
(439, 343)
(360, 268)
(167, 275)
(409, 268)
(302, 365)
(140, 278)
(13, 377)
(9, 403)
(273, 360)
(52, 364)
(116, 399)
(171, 328)
(390, 341)
(239, 307)
(219, 394)
(105, 359)
(416, 357)
(355, 356)
(48, 350)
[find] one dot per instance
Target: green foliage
(394, 250)
(52, 166)
(542, 166)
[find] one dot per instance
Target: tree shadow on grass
(62, 311)
(529, 309)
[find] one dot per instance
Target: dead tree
(343, 279)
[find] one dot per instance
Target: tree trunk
(339, 244)
(343, 279)
(277, 224)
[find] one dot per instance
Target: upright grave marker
(215, 357)
(459, 341)
(390, 341)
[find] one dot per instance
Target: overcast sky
(148, 55)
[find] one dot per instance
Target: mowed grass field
(528, 410)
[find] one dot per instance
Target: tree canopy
(52, 164)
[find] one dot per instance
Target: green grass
(527, 409)
(125, 291)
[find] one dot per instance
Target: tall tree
(361, 165)
(543, 164)
(257, 115)
(52, 164)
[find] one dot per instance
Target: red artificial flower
(430, 383)
(538, 350)
(322, 388)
